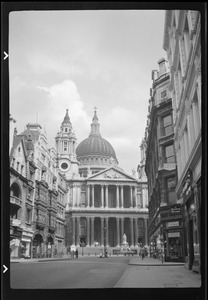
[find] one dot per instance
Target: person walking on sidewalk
(142, 251)
(162, 257)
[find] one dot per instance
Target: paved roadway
(84, 272)
(94, 272)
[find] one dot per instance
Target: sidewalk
(22, 260)
(151, 273)
(147, 261)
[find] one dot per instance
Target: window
(65, 129)
(22, 169)
(167, 125)
(17, 166)
(65, 146)
(28, 213)
(171, 185)
(169, 154)
(13, 161)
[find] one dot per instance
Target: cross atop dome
(95, 118)
(95, 126)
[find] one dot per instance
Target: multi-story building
(22, 170)
(165, 228)
(41, 213)
(142, 178)
(183, 46)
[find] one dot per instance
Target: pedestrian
(142, 253)
(162, 257)
(76, 253)
(101, 253)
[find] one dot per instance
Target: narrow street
(93, 273)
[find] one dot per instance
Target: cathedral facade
(103, 201)
(71, 195)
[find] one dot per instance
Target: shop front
(173, 234)
(192, 207)
(26, 242)
(15, 242)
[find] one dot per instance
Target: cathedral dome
(95, 149)
(95, 145)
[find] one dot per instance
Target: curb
(156, 264)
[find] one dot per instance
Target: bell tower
(66, 149)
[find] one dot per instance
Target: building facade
(165, 228)
(104, 201)
(183, 46)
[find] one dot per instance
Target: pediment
(112, 174)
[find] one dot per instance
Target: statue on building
(134, 172)
(124, 239)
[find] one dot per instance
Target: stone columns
(102, 198)
(93, 196)
(106, 226)
(132, 232)
(145, 232)
(106, 195)
(131, 197)
(78, 241)
(122, 227)
(118, 231)
(92, 231)
(102, 231)
(88, 231)
(122, 204)
(135, 197)
(136, 230)
(73, 231)
(117, 196)
(88, 196)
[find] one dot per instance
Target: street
(94, 272)
(84, 272)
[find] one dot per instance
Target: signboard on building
(172, 224)
(173, 234)
(169, 166)
(175, 210)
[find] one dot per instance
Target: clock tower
(66, 149)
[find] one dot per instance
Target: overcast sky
(81, 59)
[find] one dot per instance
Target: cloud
(64, 96)
(17, 84)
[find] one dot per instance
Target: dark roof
(95, 145)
